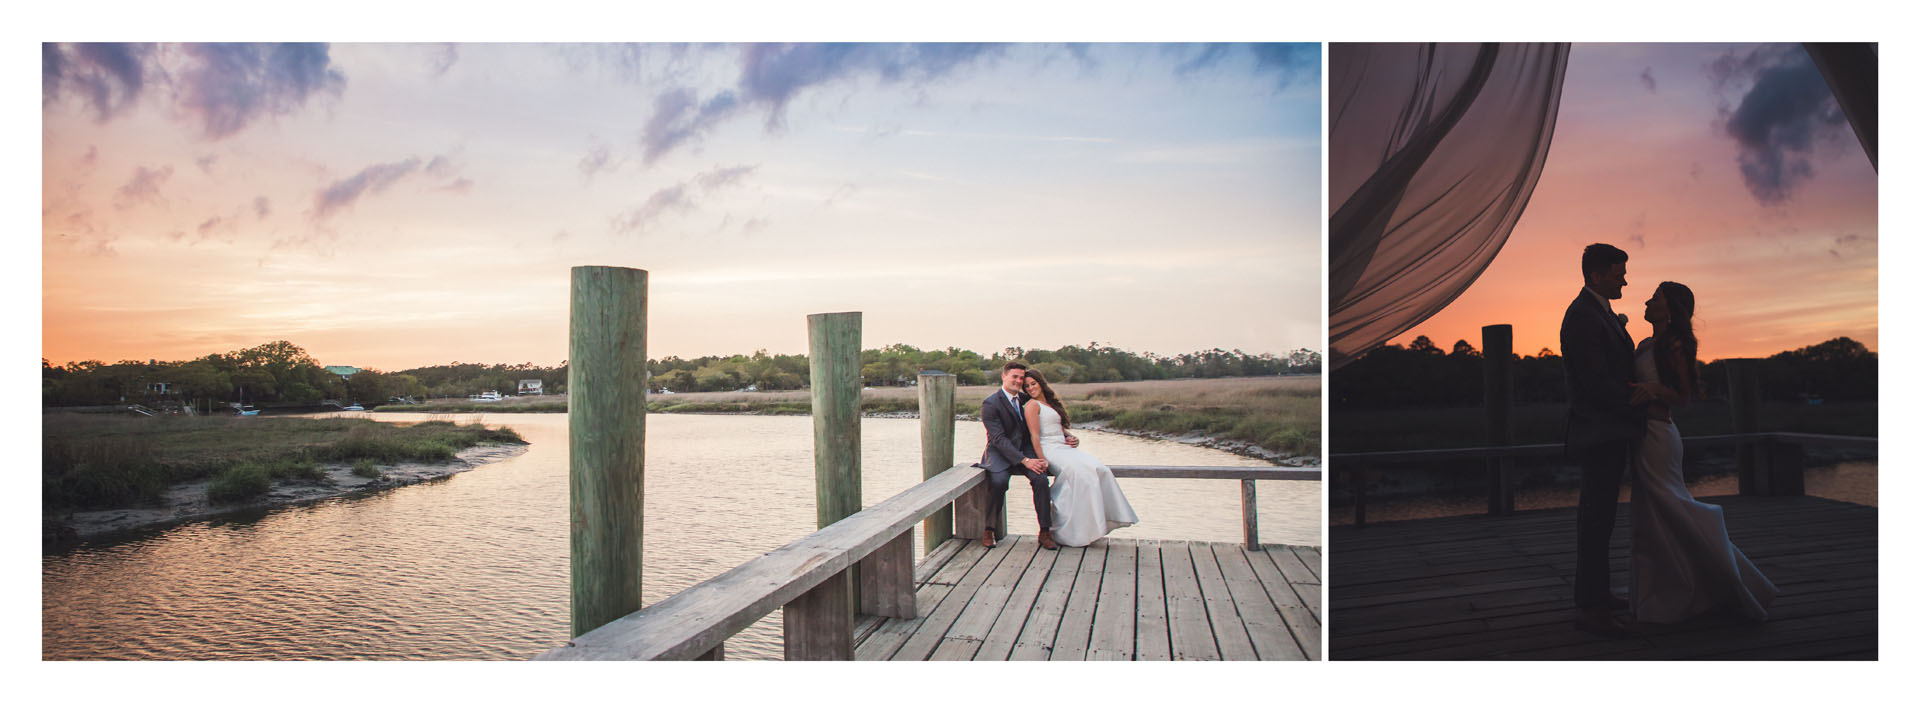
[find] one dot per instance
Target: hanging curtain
(1852, 72)
(1433, 150)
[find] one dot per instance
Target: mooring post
(1496, 353)
(820, 622)
(1249, 515)
(606, 441)
(936, 449)
(1743, 394)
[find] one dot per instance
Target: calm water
(475, 566)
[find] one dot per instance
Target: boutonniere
(1623, 319)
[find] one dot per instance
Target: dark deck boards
(1115, 599)
(1481, 587)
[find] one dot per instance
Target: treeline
(1422, 375)
(282, 373)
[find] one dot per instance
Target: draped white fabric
(1433, 151)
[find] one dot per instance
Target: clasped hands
(1644, 393)
(1039, 466)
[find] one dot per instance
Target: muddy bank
(188, 502)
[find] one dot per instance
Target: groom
(1009, 449)
(1602, 426)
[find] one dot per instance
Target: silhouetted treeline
(281, 372)
(1422, 375)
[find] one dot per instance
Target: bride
(1087, 502)
(1682, 562)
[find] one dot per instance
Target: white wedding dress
(1682, 562)
(1087, 502)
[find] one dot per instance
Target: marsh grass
(110, 462)
(364, 468)
(1277, 413)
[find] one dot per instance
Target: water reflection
(475, 566)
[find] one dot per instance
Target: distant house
(161, 388)
(342, 371)
(531, 386)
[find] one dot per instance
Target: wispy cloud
(143, 187)
(677, 198)
(108, 77)
(228, 86)
(772, 76)
(372, 180)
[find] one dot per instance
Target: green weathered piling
(936, 448)
(607, 429)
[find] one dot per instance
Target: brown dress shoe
(1046, 540)
(986, 540)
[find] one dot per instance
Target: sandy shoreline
(188, 502)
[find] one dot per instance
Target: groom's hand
(1035, 465)
(1072, 441)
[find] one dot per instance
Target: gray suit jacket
(1007, 439)
(1597, 353)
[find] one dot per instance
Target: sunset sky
(1642, 158)
(391, 206)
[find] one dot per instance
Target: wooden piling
(606, 442)
(936, 449)
(1743, 394)
(1496, 353)
(833, 341)
(819, 625)
(1249, 515)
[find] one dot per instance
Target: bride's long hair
(1053, 401)
(1678, 340)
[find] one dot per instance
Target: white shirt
(1012, 400)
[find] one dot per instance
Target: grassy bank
(91, 462)
(1276, 413)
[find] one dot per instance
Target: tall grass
(93, 462)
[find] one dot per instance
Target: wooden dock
(1116, 599)
(1480, 587)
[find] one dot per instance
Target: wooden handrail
(1777, 473)
(1263, 473)
(1340, 461)
(700, 618)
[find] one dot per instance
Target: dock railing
(862, 562)
(1769, 463)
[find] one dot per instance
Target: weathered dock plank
(969, 630)
(1076, 622)
(1191, 631)
(1043, 622)
(1113, 617)
(1229, 629)
(1151, 641)
(1501, 588)
(934, 627)
(998, 646)
(1270, 635)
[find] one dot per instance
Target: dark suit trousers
(997, 496)
(1601, 468)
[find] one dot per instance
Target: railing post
(1249, 515)
(1496, 353)
(819, 624)
(936, 448)
(1358, 474)
(606, 441)
(1743, 394)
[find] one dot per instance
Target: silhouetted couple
(1620, 412)
(1027, 433)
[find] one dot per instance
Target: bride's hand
(1643, 393)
